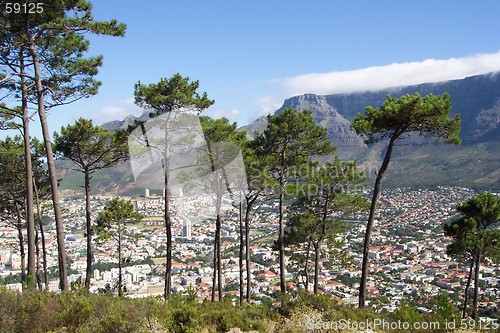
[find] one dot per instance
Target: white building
(186, 229)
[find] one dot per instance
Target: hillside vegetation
(79, 312)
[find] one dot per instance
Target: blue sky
(250, 55)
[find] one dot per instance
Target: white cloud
(373, 78)
(128, 101)
(231, 114)
(113, 112)
(269, 104)
(393, 75)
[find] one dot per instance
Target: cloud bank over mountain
(376, 78)
(393, 75)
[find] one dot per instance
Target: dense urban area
(408, 252)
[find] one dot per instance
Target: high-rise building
(186, 229)
(146, 193)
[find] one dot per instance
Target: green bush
(35, 311)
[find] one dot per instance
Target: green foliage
(56, 36)
(473, 234)
(323, 192)
(444, 311)
(288, 145)
(111, 220)
(110, 223)
(90, 147)
(483, 208)
(73, 312)
(396, 118)
(171, 94)
(218, 130)
(408, 314)
(12, 177)
(409, 113)
(291, 139)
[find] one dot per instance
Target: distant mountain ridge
(475, 163)
(417, 163)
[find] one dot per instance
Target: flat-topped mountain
(418, 162)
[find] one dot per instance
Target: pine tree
(110, 224)
(53, 40)
(289, 142)
(397, 117)
(91, 148)
(169, 97)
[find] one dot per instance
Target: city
(408, 252)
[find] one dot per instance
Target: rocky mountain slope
(418, 162)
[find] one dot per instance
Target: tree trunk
(42, 236)
(120, 285)
(371, 218)
(467, 287)
(317, 245)
(168, 221)
(248, 218)
(88, 220)
(37, 248)
(242, 247)
(214, 276)
(281, 236)
(61, 250)
(316, 266)
(476, 287)
(20, 235)
(30, 216)
(306, 266)
(219, 259)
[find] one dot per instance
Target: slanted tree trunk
(61, 249)
(476, 287)
(371, 218)
(88, 220)
(467, 287)
(30, 218)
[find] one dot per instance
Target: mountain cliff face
(327, 116)
(418, 162)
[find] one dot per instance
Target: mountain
(418, 162)
(125, 123)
